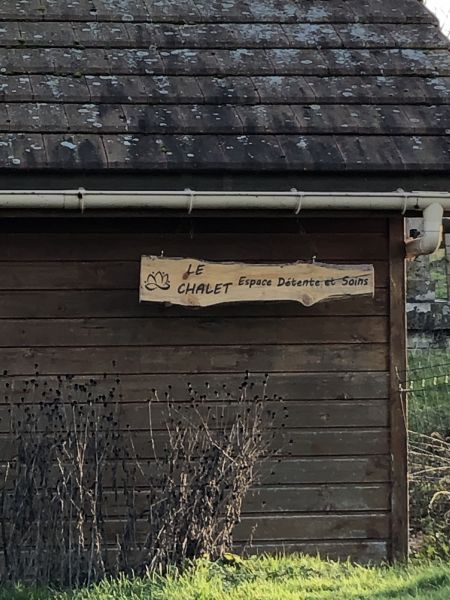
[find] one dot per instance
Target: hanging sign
(191, 282)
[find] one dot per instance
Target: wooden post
(398, 401)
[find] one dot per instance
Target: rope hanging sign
(191, 282)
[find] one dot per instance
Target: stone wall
(428, 316)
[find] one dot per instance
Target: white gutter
(192, 200)
(294, 201)
(431, 239)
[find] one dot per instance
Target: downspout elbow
(431, 239)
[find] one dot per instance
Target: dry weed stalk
(202, 475)
(77, 500)
(430, 491)
(51, 512)
(429, 457)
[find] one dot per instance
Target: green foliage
(430, 506)
(429, 452)
(268, 578)
(438, 272)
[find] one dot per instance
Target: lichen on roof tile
(223, 85)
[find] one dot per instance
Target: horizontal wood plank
(334, 469)
(229, 247)
(191, 332)
(125, 303)
(281, 471)
(297, 499)
(330, 442)
(98, 275)
(140, 222)
(282, 528)
(141, 387)
(362, 552)
(286, 471)
(322, 498)
(297, 442)
(327, 498)
(310, 527)
(276, 414)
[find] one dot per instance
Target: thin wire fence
(428, 387)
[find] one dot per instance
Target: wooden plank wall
(69, 304)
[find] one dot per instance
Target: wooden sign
(190, 282)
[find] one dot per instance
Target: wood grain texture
(310, 222)
(69, 306)
(212, 359)
(359, 551)
(192, 332)
(277, 414)
(283, 442)
(140, 387)
(281, 528)
(281, 471)
(298, 499)
(399, 407)
(331, 527)
(82, 303)
(189, 282)
(335, 469)
(228, 247)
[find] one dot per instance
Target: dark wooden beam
(399, 409)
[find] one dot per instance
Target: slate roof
(274, 85)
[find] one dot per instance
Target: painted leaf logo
(157, 281)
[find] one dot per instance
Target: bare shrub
(203, 474)
(67, 517)
(51, 512)
(430, 494)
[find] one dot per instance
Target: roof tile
(15, 88)
(229, 90)
(192, 119)
(419, 152)
(370, 152)
(72, 151)
(318, 152)
(37, 117)
(235, 85)
(99, 118)
(22, 150)
(280, 118)
(102, 35)
(52, 88)
(10, 34)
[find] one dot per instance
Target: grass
(283, 578)
(298, 577)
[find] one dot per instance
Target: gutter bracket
(299, 195)
(81, 198)
(191, 199)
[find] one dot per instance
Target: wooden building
(242, 96)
